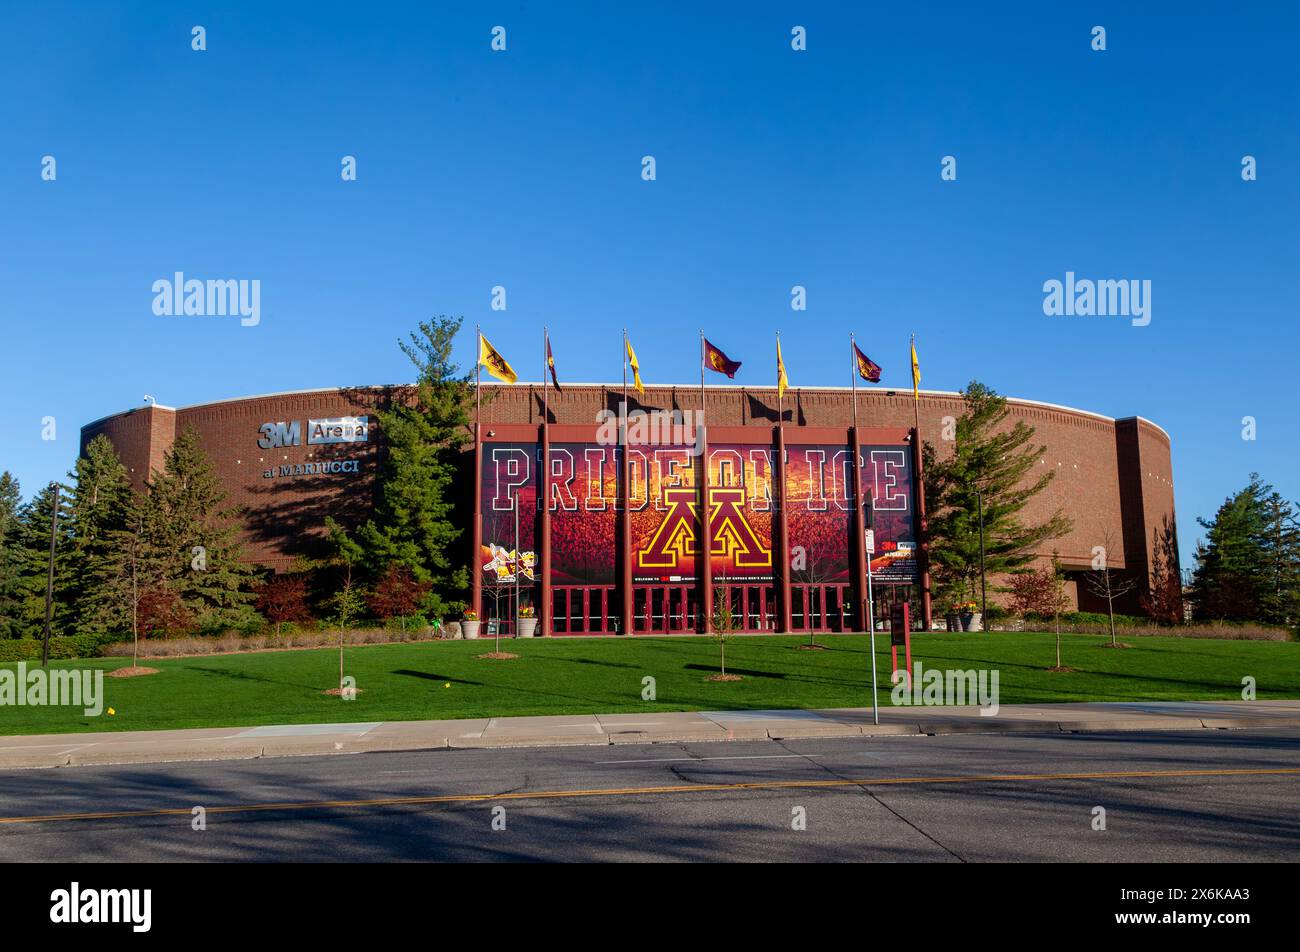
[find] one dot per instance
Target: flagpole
(476, 566)
(782, 524)
(780, 394)
(706, 528)
(542, 579)
(626, 518)
(863, 560)
(853, 377)
(917, 455)
(701, 370)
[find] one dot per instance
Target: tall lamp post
(49, 578)
(979, 497)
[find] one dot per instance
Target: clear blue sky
(775, 168)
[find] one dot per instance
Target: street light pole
(979, 496)
(49, 578)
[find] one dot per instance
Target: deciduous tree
(1163, 599)
(283, 598)
(398, 594)
(1108, 584)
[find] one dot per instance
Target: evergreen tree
(33, 563)
(11, 599)
(101, 502)
(1280, 595)
(413, 525)
(196, 537)
(1248, 564)
(133, 574)
(998, 461)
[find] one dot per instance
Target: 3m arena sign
(339, 430)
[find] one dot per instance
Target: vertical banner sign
(665, 513)
(509, 479)
(741, 508)
(584, 503)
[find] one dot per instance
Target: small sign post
(900, 633)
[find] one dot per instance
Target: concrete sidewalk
(289, 740)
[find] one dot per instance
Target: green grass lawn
(434, 680)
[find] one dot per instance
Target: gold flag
(782, 381)
(496, 365)
(916, 374)
(636, 368)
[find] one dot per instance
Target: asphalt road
(1206, 796)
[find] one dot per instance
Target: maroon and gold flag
(550, 365)
(868, 369)
(715, 359)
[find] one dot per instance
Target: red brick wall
(284, 516)
(1113, 478)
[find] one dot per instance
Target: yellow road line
(641, 791)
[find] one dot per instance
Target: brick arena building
(621, 545)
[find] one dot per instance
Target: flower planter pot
(972, 621)
(527, 627)
(954, 622)
(470, 628)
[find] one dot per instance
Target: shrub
(162, 612)
(62, 647)
(1233, 631)
(283, 600)
(232, 641)
(398, 594)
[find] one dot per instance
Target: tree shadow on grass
(245, 676)
(431, 676)
(603, 664)
(747, 672)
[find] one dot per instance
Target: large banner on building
(665, 492)
(741, 511)
(819, 480)
(585, 498)
(507, 552)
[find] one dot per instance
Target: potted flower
(469, 623)
(527, 621)
(971, 618)
(950, 616)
